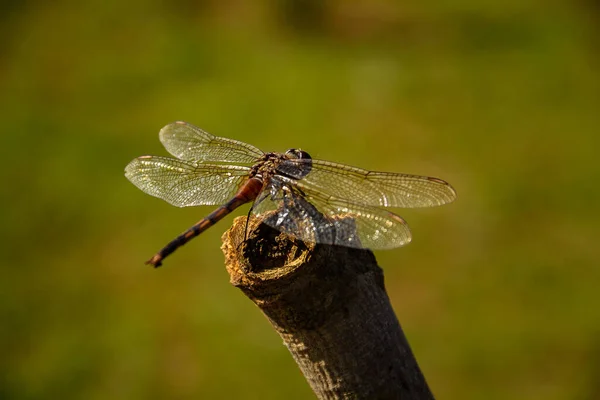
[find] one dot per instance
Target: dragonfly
(311, 200)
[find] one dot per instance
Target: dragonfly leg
(247, 220)
(257, 201)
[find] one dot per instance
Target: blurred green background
(498, 293)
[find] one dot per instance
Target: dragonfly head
(302, 168)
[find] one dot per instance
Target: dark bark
(331, 309)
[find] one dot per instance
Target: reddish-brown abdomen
(250, 189)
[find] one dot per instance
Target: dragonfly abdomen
(247, 193)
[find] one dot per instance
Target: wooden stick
(331, 309)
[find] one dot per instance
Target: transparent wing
(188, 142)
(383, 189)
(184, 183)
(311, 217)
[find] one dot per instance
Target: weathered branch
(330, 306)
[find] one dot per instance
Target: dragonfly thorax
(282, 164)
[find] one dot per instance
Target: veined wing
(383, 189)
(311, 217)
(188, 142)
(184, 183)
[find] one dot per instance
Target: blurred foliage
(498, 293)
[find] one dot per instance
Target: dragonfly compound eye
(301, 168)
(297, 153)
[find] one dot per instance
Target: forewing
(188, 142)
(311, 217)
(184, 183)
(383, 189)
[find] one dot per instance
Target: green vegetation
(498, 293)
